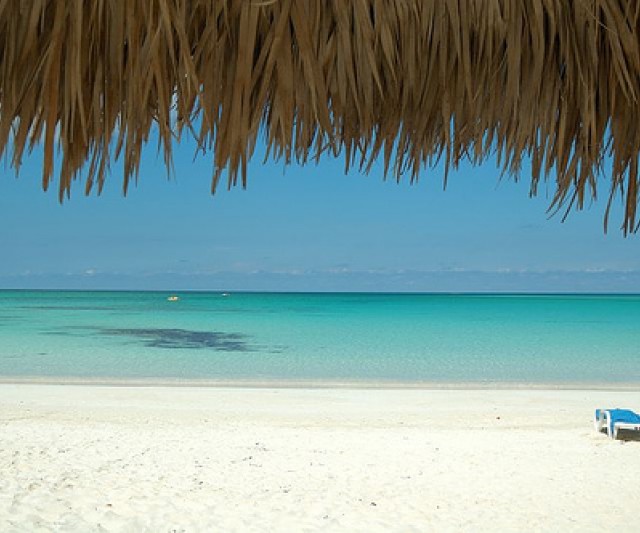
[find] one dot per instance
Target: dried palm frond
(411, 81)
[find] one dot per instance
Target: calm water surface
(324, 337)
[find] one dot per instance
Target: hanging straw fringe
(411, 80)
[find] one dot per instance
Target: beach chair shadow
(629, 435)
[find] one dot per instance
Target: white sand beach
(111, 458)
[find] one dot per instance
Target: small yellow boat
(173, 298)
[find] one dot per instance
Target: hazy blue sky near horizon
(307, 228)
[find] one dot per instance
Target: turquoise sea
(320, 337)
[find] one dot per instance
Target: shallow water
(320, 337)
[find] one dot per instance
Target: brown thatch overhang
(413, 81)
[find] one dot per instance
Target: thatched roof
(414, 81)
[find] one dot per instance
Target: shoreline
(320, 384)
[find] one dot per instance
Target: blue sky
(306, 229)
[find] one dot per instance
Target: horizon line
(320, 292)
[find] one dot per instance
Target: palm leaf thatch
(413, 81)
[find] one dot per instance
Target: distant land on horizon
(412, 282)
(230, 292)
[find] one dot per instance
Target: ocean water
(320, 337)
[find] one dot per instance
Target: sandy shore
(91, 458)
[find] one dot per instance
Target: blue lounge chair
(613, 420)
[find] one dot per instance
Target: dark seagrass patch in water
(68, 308)
(175, 338)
